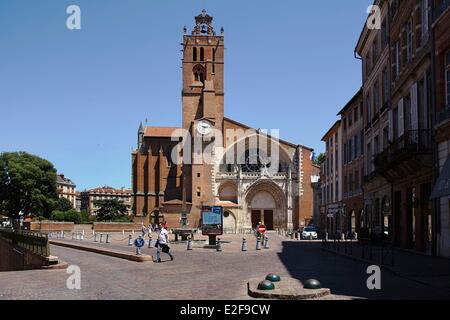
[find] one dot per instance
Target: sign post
(212, 223)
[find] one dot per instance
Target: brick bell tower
(203, 104)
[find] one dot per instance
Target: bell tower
(203, 104)
(203, 89)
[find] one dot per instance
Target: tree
(63, 204)
(27, 185)
(320, 158)
(110, 209)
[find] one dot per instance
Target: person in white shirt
(162, 243)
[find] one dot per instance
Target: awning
(442, 186)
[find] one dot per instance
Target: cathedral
(251, 173)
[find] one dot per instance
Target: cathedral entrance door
(256, 218)
(268, 219)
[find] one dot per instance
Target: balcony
(406, 156)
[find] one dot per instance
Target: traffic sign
(262, 229)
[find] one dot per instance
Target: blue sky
(76, 97)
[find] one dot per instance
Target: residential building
(373, 48)
(89, 197)
(66, 189)
(441, 69)
(332, 181)
(352, 121)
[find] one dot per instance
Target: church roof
(159, 132)
(244, 126)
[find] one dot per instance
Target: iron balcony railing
(412, 142)
(32, 241)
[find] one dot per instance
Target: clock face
(204, 127)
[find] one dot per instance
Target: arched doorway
(266, 204)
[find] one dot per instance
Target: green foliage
(110, 209)
(63, 204)
(57, 216)
(320, 158)
(67, 216)
(27, 185)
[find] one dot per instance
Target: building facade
(352, 119)
(331, 182)
(67, 189)
(253, 184)
(88, 198)
(441, 69)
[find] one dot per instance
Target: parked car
(309, 232)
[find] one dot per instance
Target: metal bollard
(189, 244)
(82, 236)
(244, 245)
(310, 237)
(101, 237)
(132, 231)
(95, 237)
(130, 242)
(258, 243)
(266, 242)
(342, 236)
(326, 236)
(219, 245)
(62, 234)
(108, 238)
(73, 236)
(355, 236)
(123, 231)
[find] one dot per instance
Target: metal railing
(362, 248)
(32, 241)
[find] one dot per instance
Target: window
(356, 146)
(350, 151)
(369, 109)
(385, 137)
(194, 54)
(376, 98)
(345, 184)
(424, 14)
(376, 142)
(202, 54)
(198, 175)
(409, 41)
(369, 159)
(374, 51)
(214, 60)
(447, 77)
(395, 123)
(397, 58)
(350, 119)
(385, 86)
(383, 34)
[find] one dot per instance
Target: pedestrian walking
(162, 244)
(143, 230)
(139, 243)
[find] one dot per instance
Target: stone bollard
(73, 236)
(189, 244)
(108, 238)
(101, 237)
(62, 234)
(310, 237)
(130, 242)
(326, 236)
(219, 245)
(123, 232)
(342, 236)
(266, 242)
(258, 243)
(244, 245)
(82, 236)
(355, 236)
(95, 237)
(132, 231)
(150, 244)
(82, 232)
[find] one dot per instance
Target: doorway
(268, 219)
(256, 218)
